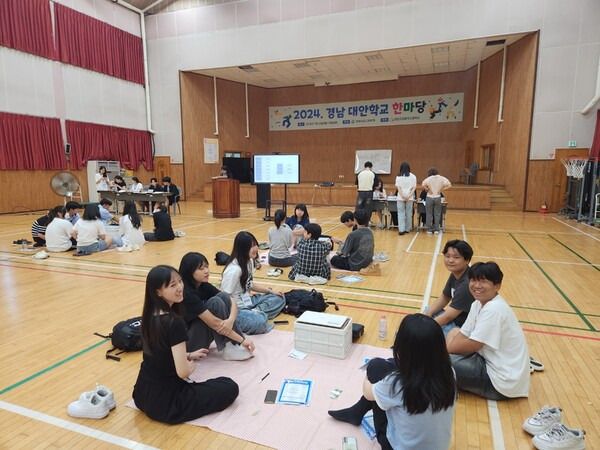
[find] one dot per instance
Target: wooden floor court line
(75, 427)
(595, 266)
(577, 229)
(560, 291)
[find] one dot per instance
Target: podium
(225, 198)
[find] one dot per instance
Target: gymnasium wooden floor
(51, 308)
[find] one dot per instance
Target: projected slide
(277, 169)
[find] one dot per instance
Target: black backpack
(126, 336)
(221, 258)
(298, 301)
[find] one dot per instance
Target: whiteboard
(381, 159)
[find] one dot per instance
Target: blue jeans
(405, 210)
(93, 248)
(445, 328)
(255, 320)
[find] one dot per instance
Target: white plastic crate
(323, 334)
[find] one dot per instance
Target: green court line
(567, 299)
(76, 269)
(53, 366)
(557, 326)
(533, 308)
(575, 253)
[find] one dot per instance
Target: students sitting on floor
(163, 229)
(58, 233)
(280, 242)
(162, 389)
(103, 209)
(489, 353)
(452, 307)
(72, 212)
(38, 228)
(347, 218)
(358, 249)
(130, 227)
(413, 395)
(298, 221)
(312, 260)
(89, 232)
(238, 281)
(210, 314)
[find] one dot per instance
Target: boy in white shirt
(489, 353)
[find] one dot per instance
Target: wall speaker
(67, 149)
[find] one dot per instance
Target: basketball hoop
(574, 166)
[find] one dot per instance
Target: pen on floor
(261, 380)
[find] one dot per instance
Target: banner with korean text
(442, 108)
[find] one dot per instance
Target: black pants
(364, 200)
(341, 262)
(377, 370)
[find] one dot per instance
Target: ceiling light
(440, 64)
(374, 57)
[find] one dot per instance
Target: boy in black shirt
(452, 307)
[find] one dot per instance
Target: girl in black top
(209, 313)
(161, 389)
(163, 229)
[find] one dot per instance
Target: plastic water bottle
(382, 328)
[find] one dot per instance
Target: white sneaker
(301, 278)
(135, 247)
(41, 255)
(125, 248)
(315, 279)
(105, 394)
(381, 257)
(560, 437)
(543, 420)
(233, 352)
(536, 365)
(436, 232)
(88, 407)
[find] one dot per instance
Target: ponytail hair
(279, 217)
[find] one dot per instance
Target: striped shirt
(39, 226)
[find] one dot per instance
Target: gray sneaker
(301, 278)
(381, 257)
(560, 437)
(317, 280)
(543, 420)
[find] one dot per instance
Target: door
(162, 167)
(559, 178)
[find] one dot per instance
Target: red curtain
(28, 142)
(89, 43)
(595, 151)
(26, 25)
(90, 141)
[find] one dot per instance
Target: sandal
(274, 272)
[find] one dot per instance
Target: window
(486, 160)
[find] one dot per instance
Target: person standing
(365, 180)
(406, 183)
(434, 184)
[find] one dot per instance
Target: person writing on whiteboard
(365, 180)
(102, 181)
(434, 184)
(406, 183)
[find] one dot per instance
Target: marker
(261, 380)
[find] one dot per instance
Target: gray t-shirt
(359, 247)
(425, 431)
(280, 241)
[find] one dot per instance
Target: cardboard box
(323, 334)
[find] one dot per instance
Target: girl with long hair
(406, 183)
(298, 221)
(162, 390)
(257, 304)
(412, 396)
(280, 242)
(89, 232)
(102, 181)
(209, 313)
(379, 195)
(130, 227)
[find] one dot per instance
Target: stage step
(503, 201)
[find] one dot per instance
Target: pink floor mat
(285, 426)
